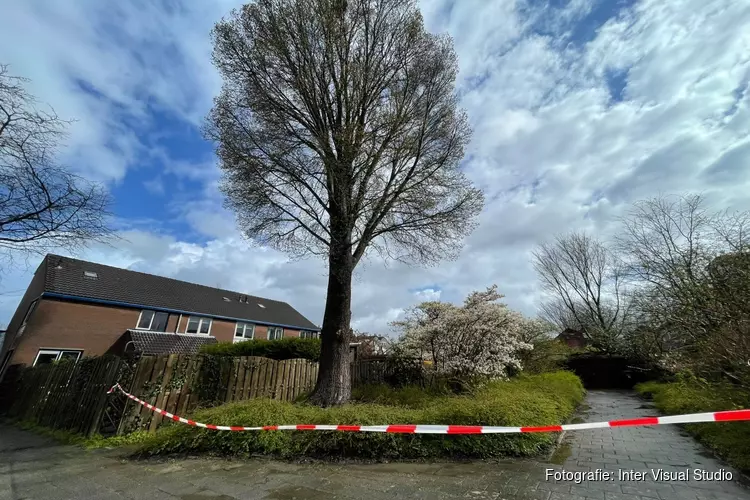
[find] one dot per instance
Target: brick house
(574, 339)
(74, 308)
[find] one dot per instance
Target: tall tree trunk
(334, 378)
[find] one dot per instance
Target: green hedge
(527, 400)
(288, 348)
(730, 440)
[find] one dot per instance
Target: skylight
(90, 275)
(261, 306)
(227, 299)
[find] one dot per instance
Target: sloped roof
(88, 280)
(155, 343)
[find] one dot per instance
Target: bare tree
(42, 205)
(666, 242)
(556, 312)
(691, 269)
(666, 246)
(584, 279)
(732, 230)
(338, 132)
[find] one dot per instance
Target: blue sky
(578, 107)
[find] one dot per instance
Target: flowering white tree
(480, 338)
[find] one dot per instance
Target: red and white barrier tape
(718, 416)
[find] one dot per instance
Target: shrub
(527, 400)
(548, 355)
(730, 440)
(481, 339)
(287, 348)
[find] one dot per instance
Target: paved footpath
(665, 447)
(32, 467)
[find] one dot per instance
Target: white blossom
(482, 337)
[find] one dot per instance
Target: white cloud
(553, 148)
(427, 295)
(109, 66)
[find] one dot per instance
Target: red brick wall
(35, 289)
(95, 328)
(223, 330)
(57, 324)
(172, 323)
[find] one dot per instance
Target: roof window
(90, 275)
(261, 306)
(227, 299)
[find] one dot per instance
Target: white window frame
(308, 334)
(274, 328)
(151, 323)
(245, 328)
(200, 319)
(59, 351)
(140, 316)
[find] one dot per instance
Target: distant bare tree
(42, 205)
(557, 313)
(338, 132)
(584, 279)
(733, 230)
(666, 246)
(665, 241)
(691, 269)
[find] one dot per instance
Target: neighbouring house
(372, 345)
(74, 308)
(574, 339)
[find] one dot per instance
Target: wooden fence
(69, 396)
(180, 383)
(391, 371)
(73, 396)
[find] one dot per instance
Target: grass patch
(542, 399)
(94, 442)
(729, 440)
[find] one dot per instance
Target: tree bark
(333, 386)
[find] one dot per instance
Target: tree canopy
(338, 132)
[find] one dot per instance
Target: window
(244, 331)
(91, 275)
(153, 321)
(275, 333)
(308, 335)
(198, 325)
(47, 356)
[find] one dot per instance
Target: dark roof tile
(155, 343)
(73, 277)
